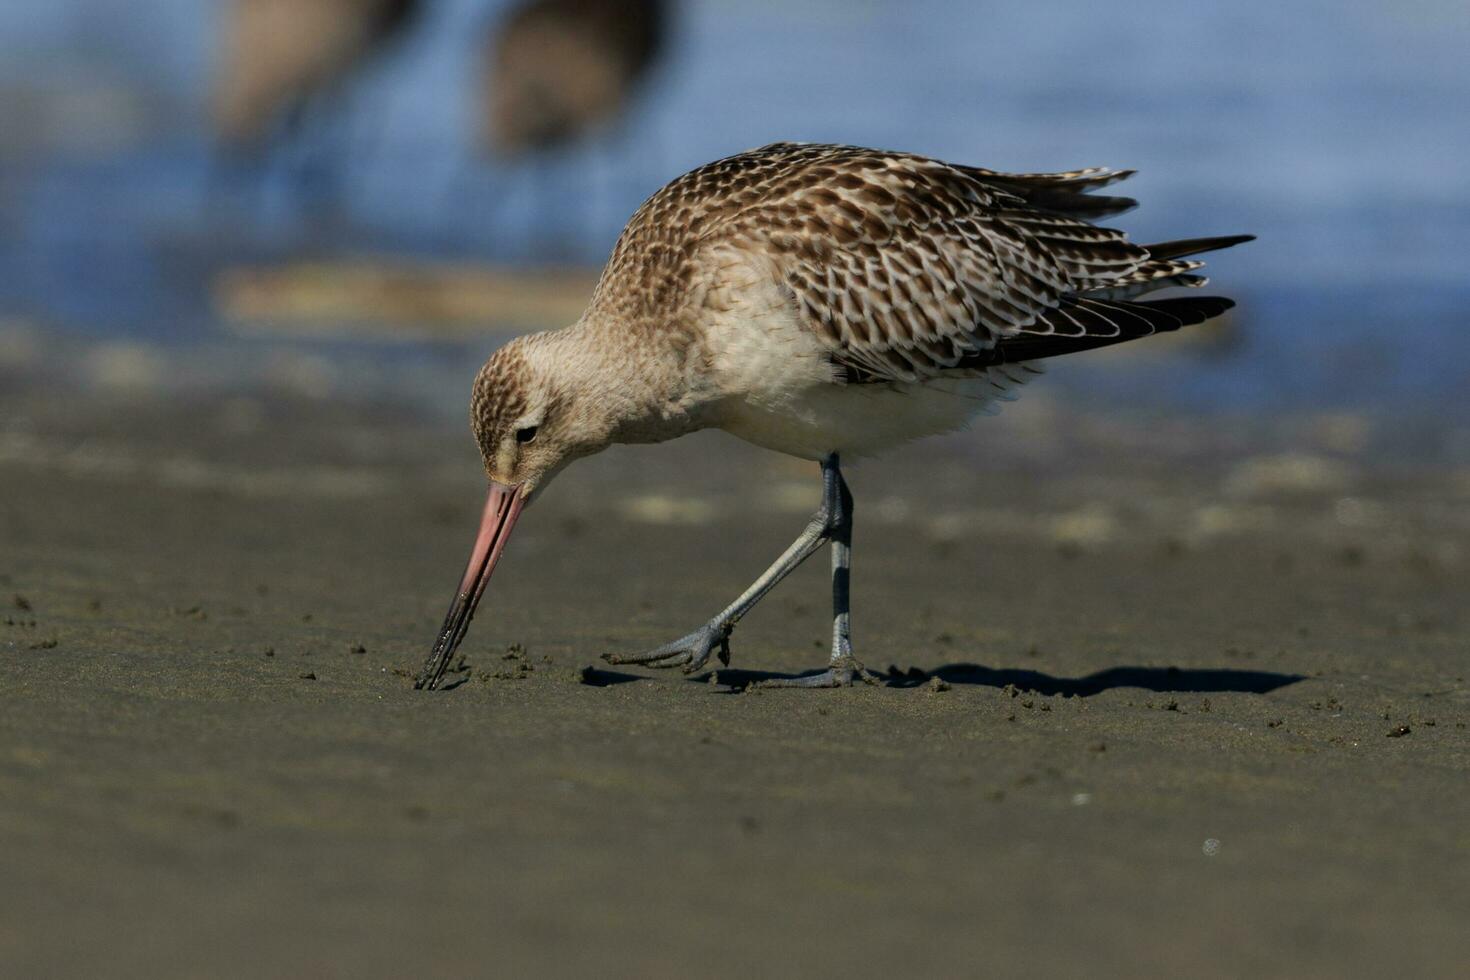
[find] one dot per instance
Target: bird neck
(629, 383)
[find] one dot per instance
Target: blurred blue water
(1335, 132)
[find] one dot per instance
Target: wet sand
(1168, 696)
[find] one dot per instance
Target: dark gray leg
(842, 667)
(832, 522)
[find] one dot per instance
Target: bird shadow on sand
(1179, 680)
(595, 677)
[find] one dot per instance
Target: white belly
(777, 389)
(860, 420)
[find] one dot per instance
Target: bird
(279, 57)
(825, 302)
(558, 69)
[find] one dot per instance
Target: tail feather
(1141, 286)
(1087, 179)
(1194, 246)
(1152, 275)
(1168, 265)
(1063, 193)
(1089, 207)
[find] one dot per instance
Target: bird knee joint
(830, 520)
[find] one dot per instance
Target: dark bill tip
(502, 507)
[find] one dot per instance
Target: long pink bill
(502, 507)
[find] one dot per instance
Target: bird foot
(843, 673)
(689, 653)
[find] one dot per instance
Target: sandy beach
(1164, 696)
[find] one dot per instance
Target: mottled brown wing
(906, 265)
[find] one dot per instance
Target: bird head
(530, 420)
(527, 424)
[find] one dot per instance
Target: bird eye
(526, 435)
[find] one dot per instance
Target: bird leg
(831, 522)
(842, 668)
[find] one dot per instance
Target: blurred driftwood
(408, 299)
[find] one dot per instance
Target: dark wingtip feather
(1081, 205)
(1103, 324)
(1192, 309)
(1193, 246)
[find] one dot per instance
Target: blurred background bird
(559, 70)
(281, 61)
(562, 72)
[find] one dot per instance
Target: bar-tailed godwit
(821, 301)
